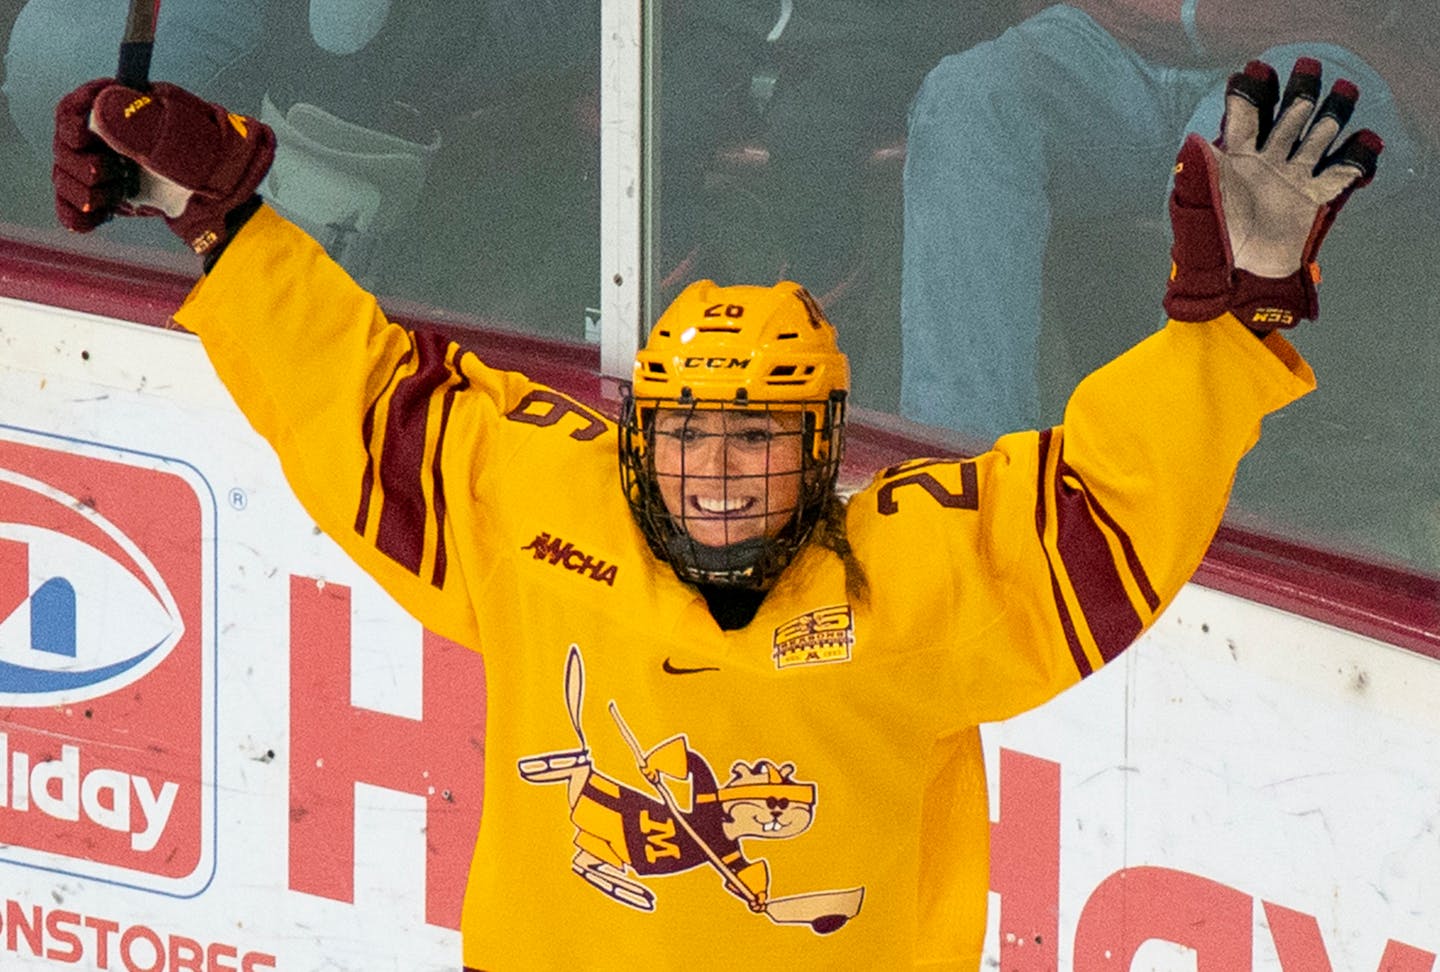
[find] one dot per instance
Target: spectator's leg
(1054, 101)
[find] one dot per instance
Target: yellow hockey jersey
(660, 793)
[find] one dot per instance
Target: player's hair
(830, 533)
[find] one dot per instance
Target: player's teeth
(719, 505)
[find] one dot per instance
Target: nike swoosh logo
(687, 671)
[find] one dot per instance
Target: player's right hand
(198, 163)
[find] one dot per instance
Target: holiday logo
(106, 663)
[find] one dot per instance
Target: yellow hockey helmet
(728, 344)
(741, 348)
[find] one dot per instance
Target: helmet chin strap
(735, 564)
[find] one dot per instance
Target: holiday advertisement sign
(106, 664)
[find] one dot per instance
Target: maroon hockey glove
(1250, 211)
(199, 164)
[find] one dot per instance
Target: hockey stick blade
(824, 911)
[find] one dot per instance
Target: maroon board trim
(1392, 604)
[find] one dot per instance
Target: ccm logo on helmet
(715, 362)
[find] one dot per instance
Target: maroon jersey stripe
(1092, 571)
(437, 576)
(1132, 559)
(1072, 639)
(367, 434)
(401, 536)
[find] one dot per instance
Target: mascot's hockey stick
(823, 911)
(659, 784)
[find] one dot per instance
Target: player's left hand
(1250, 211)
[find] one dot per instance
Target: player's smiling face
(728, 475)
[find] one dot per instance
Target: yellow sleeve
(382, 432)
(1035, 564)
(1151, 443)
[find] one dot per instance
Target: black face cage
(754, 563)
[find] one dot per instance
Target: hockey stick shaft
(133, 70)
(135, 47)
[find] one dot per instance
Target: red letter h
(334, 745)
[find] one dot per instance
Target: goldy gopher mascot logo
(623, 834)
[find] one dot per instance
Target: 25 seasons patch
(823, 635)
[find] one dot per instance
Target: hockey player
(713, 612)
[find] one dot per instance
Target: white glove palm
(1272, 185)
(1250, 211)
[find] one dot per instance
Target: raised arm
(1069, 542)
(383, 433)
(1153, 439)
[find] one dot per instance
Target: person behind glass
(359, 92)
(805, 101)
(708, 655)
(996, 163)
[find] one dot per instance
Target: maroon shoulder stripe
(1092, 570)
(367, 435)
(437, 576)
(1072, 638)
(1132, 559)
(401, 536)
(1067, 624)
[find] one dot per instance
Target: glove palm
(1250, 211)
